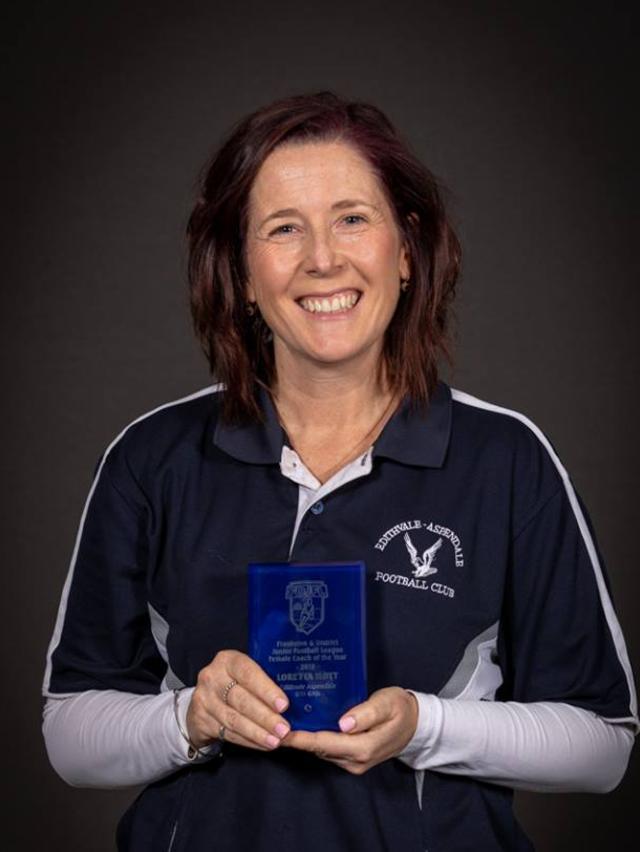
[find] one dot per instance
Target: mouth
(340, 302)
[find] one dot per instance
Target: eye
(354, 216)
(281, 229)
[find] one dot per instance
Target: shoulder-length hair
(237, 345)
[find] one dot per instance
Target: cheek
(379, 252)
(269, 268)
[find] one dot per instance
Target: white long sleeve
(542, 746)
(106, 738)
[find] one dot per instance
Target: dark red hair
(238, 346)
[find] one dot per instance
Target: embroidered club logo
(422, 565)
(306, 604)
(417, 550)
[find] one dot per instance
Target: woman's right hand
(249, 711)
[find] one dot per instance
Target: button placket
(308, 483)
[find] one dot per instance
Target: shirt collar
(418, 437)
(256, 443)
(413, 437)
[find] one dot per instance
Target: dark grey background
(527, 112)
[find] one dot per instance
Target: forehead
(314, 172)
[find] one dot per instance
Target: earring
(404, 284)
(258, 324)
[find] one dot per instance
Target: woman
(322, 268)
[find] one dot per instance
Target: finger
(244, 670)
(347, 765)
(237, 739)
(355, 767)
(218, 681)
(237, 729)
(376, 710)
(254, 709)
(322, 743)
(239, 725)
(342, 761)
(363, 717)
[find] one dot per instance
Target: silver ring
(221, 733)
(227, 690)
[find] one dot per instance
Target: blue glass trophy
(307, 631)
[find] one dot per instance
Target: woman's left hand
(373, 731)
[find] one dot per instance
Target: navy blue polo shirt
(483, 582)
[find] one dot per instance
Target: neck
(332, 414)
(315, 399)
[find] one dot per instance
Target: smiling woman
(329, 286)
(322, 268)
(327, 283)
(325, 198)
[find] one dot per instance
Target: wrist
(427, 730)
(414, 710)
(193, 751)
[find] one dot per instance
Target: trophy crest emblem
(306, 604)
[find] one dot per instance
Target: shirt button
(318, 508)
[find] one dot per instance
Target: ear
(413, 220)
(250, 293)
(404, 265)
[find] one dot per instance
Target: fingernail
(280, 704)
(272, 741)
(281, 729)
(348, 723)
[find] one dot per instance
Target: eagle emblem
(422, 564)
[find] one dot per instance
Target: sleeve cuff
(428, 729)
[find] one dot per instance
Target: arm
(107, 738)
(108, 720)
(567, 714)
(542, 746)
(564, 660)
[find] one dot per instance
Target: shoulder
(509, 447)
(174, 427)
(501, 429)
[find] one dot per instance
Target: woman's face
(324, 255)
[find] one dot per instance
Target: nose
(322, 258)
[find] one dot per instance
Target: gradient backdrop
(528, 113)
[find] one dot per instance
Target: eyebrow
(339, 205)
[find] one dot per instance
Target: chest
(436, 558)
(323, 456)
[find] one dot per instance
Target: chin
(334, 356)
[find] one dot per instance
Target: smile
(332, 304)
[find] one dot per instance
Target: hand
(373, 731)
(250, 713)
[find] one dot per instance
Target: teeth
(344, 301)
